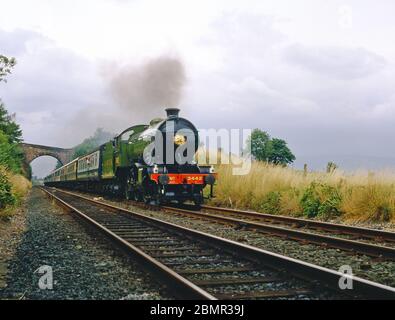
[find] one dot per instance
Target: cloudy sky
(319, 74)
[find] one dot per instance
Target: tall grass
(358, 196)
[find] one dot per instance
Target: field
(354, 197)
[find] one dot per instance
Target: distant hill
(89, 144)
(99, 137)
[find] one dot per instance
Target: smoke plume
(141, 92)
(145, 90)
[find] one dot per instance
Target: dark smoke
(141, 93)
(146, 90)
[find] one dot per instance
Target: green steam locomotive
(152, 163)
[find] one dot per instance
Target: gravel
(11, 232)
(211, 259)
(84, 265)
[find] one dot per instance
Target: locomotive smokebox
(172, 112)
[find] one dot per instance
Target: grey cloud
(338, 62)
(53, 91)
(48, 84)
(60, 98)
(327, 102)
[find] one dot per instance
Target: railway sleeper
(235, 281)
(214, 271)
(262, 294)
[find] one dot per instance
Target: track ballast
(196, 265)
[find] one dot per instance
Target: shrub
(13, 187)
(271, 203)
(331, 202)
(6, 196)
(310, 202)
(321, 200)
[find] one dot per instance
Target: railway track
(196, 265)
(349, 238)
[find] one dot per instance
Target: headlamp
(179, 139)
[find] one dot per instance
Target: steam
(141, 92)
(144, 91)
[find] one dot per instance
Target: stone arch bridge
(33, 151)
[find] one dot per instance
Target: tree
(6, 65)
(278, 152)
(256, 144)
(8, 125)
(265, 148)
(90, 144)
(58, 165)
(11, 155)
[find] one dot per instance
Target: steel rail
(184, 287)
(304, 270)
(292, 234)
(320, 225)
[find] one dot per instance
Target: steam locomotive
(152, 163)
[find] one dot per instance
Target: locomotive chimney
(172, 112)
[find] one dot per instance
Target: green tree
(265, 148)
(7, 123)
(277, 152)
(6, 65)
(257, 144)
(90, 144)
(11, 155)
(58, 165)
(9, 126)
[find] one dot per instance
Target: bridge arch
(34, 151)
(49, 154)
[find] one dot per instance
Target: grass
(359, 196)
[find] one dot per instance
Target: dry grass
(20, 185)
(358, 196)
